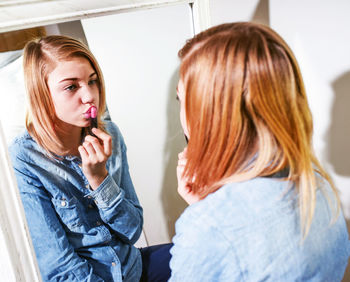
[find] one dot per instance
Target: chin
(85, 123)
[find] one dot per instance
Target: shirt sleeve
(200, 253)
(119, 206)
(55, 255)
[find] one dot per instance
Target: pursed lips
(91, 112)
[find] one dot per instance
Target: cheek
(55, 100)
(65, 105)
(97, 97)
(183, 120)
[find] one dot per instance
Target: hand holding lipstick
(92, 114)
(183, 184)
(94, 153)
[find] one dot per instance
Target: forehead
(72, 66)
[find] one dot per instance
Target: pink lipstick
(92, 114)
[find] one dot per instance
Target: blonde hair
(247, 112)
(40, 57)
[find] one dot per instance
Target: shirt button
(89, 197)
(98, 223)
(63, 203)
(87, 186)
(113, 263)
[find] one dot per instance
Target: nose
(87, 95)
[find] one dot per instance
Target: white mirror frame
(18, 262)
(21, 14)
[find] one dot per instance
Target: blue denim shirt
(79, 234)
(250, 231)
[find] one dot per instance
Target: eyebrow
(74, 78)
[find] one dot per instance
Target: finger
(83, 154)
(91, 139)
(184, 151)
(100, 154)
(180, 175)
(182, 162)
(89, 149)
(183, 154)
(184, 190)
(96, 146)
(106, 139)
(180, 169)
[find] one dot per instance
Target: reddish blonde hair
(40, 57)
(247, 112)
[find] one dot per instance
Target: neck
(70, 139)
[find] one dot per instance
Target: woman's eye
(93, 81)
(71, 87)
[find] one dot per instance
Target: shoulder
(112, 128)
(201, 250)
(201, 221)
(237, 214)
(28, 159)
(22, 147)
(239, 203)
(257, 219)
(114, 131)
(21, 139)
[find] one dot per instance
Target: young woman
(261, 206)
(72, 172)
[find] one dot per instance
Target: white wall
(237, 10)
(320, 38)
(138, 55)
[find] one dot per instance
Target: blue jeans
(155, 263)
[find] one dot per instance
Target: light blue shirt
(250, 231)
(79, 234)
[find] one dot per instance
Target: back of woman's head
(40, 57)
(246, 110)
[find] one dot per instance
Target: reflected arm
(56, 257)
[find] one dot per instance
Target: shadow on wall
(73, 29)
(261, 13)
(173, 204)
(339, 130)
(339, 134)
